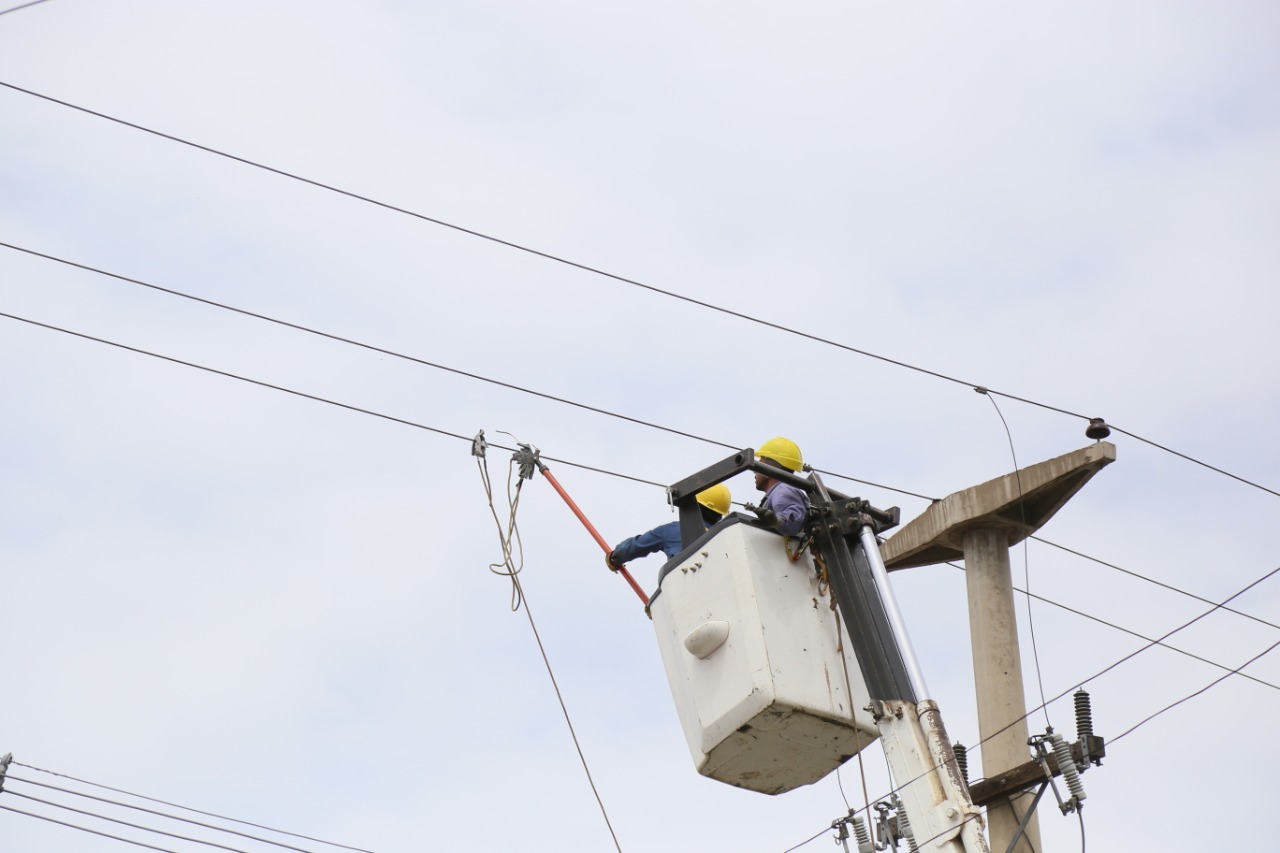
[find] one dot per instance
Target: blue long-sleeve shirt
(664, 538)
(790, 504)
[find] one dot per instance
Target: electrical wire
(361, 344)
(809, 840)
(518, 596)
(87, 829)
(565, 710)
(1095, 676)
(1169, 634)
(857, 734)
(1026, 562)
(1211, 684)
(17, 763)
(1127, 732)
(554, 398)
(23, 6)
(416, 360)
(406, 422)
(444, 432)
(900, 787)
(307, 396)
(1132, 633)
(672, 295)
(460, 437)
(510, 566)
(1139, 651)
(843, 795)
(128, 824)
(1150, 580)
(619, 278)
(566, 401)
(11, 778)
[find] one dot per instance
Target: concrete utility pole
(980, 525)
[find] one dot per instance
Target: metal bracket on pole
(1046, 746)
(1026, 818)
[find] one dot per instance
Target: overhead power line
(88, 830)
(363, 345)
(129, 824)
(1132, 633)
(1150, 580)
(307, 396)
(1130, 656)
(1112, 741)
(621, 279)
(150, 799)
(23, 6)
(468, 439)
(420, 361)
(461, 437)
(543, 395)
(1151, 643)
(12, 778)
(1189, 696)
(509, 568)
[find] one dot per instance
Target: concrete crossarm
(1018, 503)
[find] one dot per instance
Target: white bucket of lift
(753, 651)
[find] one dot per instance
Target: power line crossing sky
(233, 596)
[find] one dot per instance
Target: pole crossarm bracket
(985, 792)
(1018, 503)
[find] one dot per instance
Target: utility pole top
(1017, 504)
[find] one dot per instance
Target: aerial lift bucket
(756, 658)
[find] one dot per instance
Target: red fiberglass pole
(622, 570)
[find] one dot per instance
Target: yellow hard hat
(716, 498)
(784, 451)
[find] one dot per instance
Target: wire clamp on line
(1053, 743)
(528, 458)
(841, 827)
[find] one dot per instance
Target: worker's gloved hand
(767, 516)
(613, 564)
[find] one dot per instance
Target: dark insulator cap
(1097, 429)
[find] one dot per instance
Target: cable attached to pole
(529, 458)
(479, 446)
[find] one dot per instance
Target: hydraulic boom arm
(933, 793)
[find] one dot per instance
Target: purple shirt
(791, 506)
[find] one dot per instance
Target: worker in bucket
(713, 503)
(784, 507)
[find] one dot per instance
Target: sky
(271, 599)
